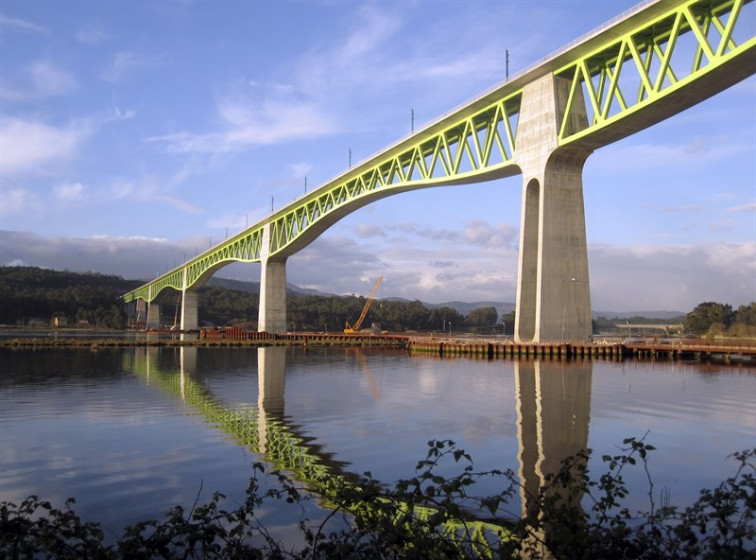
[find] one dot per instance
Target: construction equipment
(353, 329)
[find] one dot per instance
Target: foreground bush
(422, 517)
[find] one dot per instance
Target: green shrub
(428, 516)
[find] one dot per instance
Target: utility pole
(412, 129)
(271, 204)
(305, 184)
(507, 60)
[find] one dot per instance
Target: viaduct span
(646, 65)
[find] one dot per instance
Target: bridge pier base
(272, 313)
(189, 319)
(553, 291)
(153, 315)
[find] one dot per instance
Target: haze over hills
(461, 307)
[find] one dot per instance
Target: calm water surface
(132, 432)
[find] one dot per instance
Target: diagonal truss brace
(691, 39)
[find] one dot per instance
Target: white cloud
(51, 80)
(149, 189)
(477, 233)
(374, 29)
(271, 121)
(672, 277)
(69, 191)
(13, 201)
(637, 278)
(40, 80)
(690, 208)
(480, 233)
(300, 169)
(26, 145)
(370, 230)
(330, 80)
(20, 24)
(249, 123)
(126, 63)
(749, 208)
(645, 156)
(91, 36)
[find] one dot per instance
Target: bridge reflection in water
(552, 400)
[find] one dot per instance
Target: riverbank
(442, 346)
(226, 339)
(613, 349)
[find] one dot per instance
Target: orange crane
(352, 329)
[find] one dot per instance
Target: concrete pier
(153, 315)
(189, 321)
(272, 312)
(553, 291)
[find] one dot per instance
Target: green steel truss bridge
(644, 66)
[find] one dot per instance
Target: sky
(136, 134)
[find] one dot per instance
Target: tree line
(223, 306)
(31, 295)
(716, 319)
(37, 296)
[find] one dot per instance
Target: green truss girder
(244, 247)
(621, 74)
(653, 61)
(474, 144)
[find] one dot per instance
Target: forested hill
(30, 295)
(36, 296)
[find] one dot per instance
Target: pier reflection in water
(552, 403)
(271, 368)
(553, 411)
(127, 447)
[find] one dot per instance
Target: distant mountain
(461, 307)
(239, 285)
(254, 287)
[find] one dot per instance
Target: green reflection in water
(262, 429)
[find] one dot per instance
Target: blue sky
(135, 134)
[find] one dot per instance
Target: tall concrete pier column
(189, 320)
(272, 312)
(553, 291)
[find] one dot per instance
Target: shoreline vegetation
(37, 298)
(574, 515)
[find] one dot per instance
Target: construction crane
(352, 329)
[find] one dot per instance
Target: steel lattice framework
(654, 62)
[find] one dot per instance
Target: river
(130, 432)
